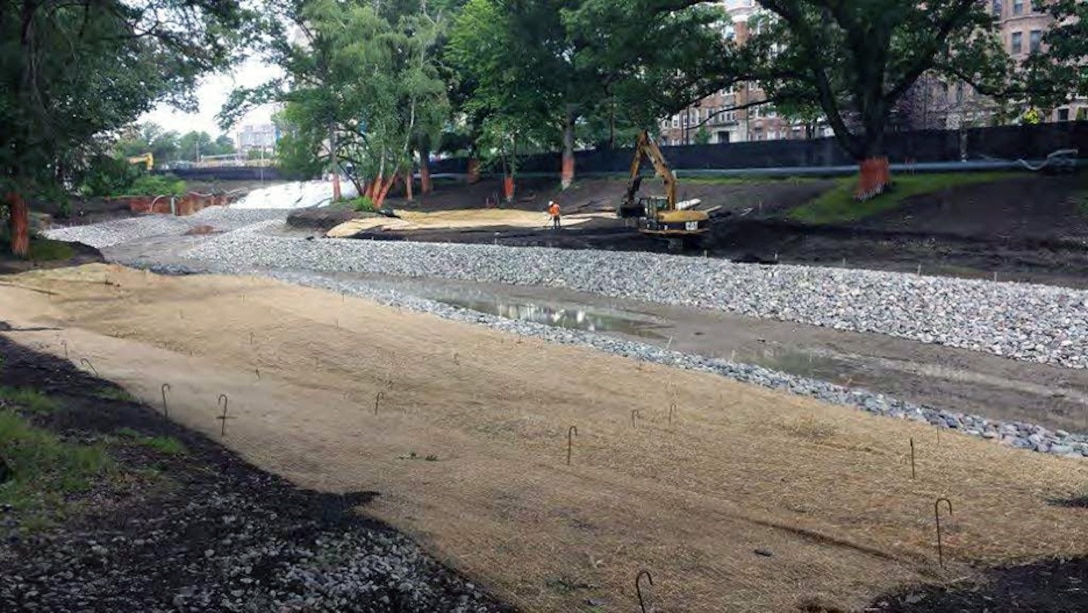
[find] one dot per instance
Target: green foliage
(1059, 72)
(45, 470)
(107, 176)
(838, 205)
(367, 76)
(702, 136)
(74, 71)
(362, 204)
(154, 185)
(28, 400)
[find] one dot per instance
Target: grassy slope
(40, 471)
(838, 205)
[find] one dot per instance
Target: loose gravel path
(1024, 322)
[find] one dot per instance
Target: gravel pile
(1025, 322)
(117, 231)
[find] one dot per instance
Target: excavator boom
(659, 216)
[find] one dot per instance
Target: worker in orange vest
(553, 210)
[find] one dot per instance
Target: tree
(74, 70)
(147, 137)
(363, 91)
(852, 59)
(1059, 71)
(223, 145)
(193, 145)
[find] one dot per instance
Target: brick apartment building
(931, 104)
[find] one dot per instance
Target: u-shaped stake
(223, 401)
(89, 365)
(165, 410)
(378, 398)
(571, 433)
(638, 588)
(65, 343)
(672, 409)
(634, 414)
(937, 516)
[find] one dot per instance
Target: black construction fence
(1028, 142)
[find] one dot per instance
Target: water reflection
(569, 318)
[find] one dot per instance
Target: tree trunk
(473, 171)
(567, 175)
(383, 190)
(508, 188)
(425, 170)
(332, 157)
(19, 224)
(875, 175)
(409, 179)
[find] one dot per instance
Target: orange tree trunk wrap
(19, 224)
(508, 188)
(874, 178)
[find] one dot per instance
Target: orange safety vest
(553, 210)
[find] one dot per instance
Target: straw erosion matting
(825, 490)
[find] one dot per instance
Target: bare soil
(340, 394)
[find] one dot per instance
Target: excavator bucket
(630, 207)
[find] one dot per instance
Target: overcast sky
(212, 94)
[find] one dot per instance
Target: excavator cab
(659, 216)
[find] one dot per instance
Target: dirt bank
(176, 522)
(463, 431)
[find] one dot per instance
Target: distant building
(931, 104)
(734, 126)
(257, 137)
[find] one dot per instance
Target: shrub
(155, 185)
(361, 204)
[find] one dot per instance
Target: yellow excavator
(659, 216)
(146, 158)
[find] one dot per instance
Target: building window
(723, 137)
(1063, 114)
(1017, 7)
(1017, 42)
(676, 122)
(1036, 40)
(997, 9)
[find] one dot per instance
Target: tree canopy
(75, 70)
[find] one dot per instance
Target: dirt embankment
(735, 498)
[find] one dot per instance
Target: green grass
(163, 444)
(44, 470)
(115, 393)
(31, 401)
(838, 205)
(41, 249)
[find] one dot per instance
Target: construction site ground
(1025, 227)
(746, 500)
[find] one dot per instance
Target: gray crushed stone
(1034, 323)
